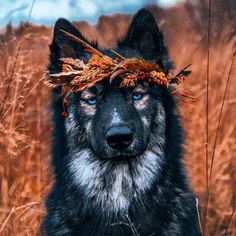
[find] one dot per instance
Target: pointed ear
(63, 46)
(143, 35)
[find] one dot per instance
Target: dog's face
(114, 137)
(117, 122)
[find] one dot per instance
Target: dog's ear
(143, 35)
(63, 46)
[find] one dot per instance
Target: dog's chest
(113, 188)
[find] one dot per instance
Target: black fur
(168, 206)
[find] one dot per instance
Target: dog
(117, 156)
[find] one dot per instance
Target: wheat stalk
(207, 116)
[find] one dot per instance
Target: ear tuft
(143, 35)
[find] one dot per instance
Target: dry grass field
(25, 128)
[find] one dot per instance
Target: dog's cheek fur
(142, 107)
(89, 110)
(77, 127)
(152, 114)
(142, 103)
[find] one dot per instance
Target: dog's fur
(100, 190)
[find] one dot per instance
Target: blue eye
(137, 96)
(91, 101)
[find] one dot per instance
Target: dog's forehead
(107, 87)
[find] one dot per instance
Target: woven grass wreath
(77, 76)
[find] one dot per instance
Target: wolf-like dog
(117, 156)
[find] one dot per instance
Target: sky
(48, 11)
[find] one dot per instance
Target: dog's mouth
(121, 158)
(119, 155)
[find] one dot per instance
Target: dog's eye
(137, 95)
(91, 101)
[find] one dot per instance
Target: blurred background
(48, 11)
(191, 36)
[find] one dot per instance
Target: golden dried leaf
(75, 63)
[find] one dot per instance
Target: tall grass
(25, 172)
(24, 130)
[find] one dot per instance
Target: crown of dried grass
(77, 76)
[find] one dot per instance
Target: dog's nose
(119, 137)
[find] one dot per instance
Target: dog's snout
(119, 137)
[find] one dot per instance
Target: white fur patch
(145, 121)
(115, 190)
(115, 117)
(91, 175)
(88, 126)
(147, 169)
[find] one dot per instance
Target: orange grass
(25, 128)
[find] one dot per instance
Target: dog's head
(114, 122)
